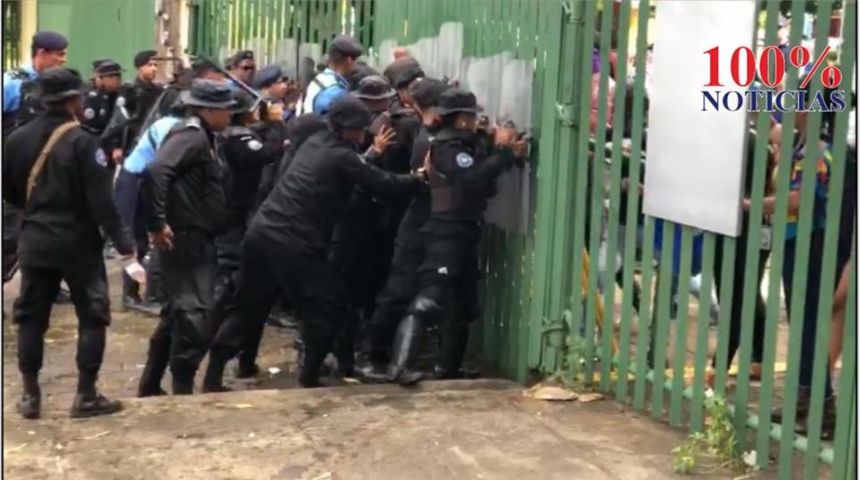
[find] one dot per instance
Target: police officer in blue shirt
(132, 209)
(20, 104)
(332, 83)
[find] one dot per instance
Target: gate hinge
(564, 112)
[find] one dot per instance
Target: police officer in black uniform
(99, 108)
(142, 93)
(355, 251)
(462, 177)
(21, 105)
(402, 284)
(286, 248)
(56, 173)
(246, 154)
(185, 189)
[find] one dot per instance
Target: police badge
(464, 160)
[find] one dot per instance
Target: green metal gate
(11, 35)
(531, 61)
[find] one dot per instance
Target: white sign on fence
(695, 162)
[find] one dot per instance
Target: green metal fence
(553, 303)
(11, 35)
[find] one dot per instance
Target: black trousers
(448, 282)
(361, 250)
(87, 281)
(270, 271)
(187, 324)
(402, 284)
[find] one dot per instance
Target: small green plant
(717, 443)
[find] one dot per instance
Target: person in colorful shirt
(820, 182)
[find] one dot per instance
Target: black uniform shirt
(468, 171)
(140, 98)
(309, 200)
(246, 155)
(98, 108)
(185, 184)
(72, 198)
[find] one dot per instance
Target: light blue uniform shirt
(324, 99)
(144, 152)
(12, 89)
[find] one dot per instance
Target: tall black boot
(312, 357)
(183, 383)
(213, 381)
(454, 340)
(30, 404)
(157, 359)
(90, 403)
(374, 358)
(344, 350)
(407, 343)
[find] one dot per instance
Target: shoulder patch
(92, 93)
(101, 157)
(89, 114)
(120, 101)
(255, 145)
(464, 160)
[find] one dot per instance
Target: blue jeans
(810, 312)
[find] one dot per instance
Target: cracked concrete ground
(268, 430)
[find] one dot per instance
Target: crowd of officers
(354, 201)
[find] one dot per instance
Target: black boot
(407, 343)
(213, 381)
(246, 367)
(372, 363)
(312, 357)
(183, 383)
(88, 402)
(455, 339)
(157, 360)
(325, 369)
(30, 405)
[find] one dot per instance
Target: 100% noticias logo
(771, 72)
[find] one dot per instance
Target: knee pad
(425, 307)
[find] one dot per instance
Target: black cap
(349, 112)
(58, 84)
(374, 87)
(108, 68)
(407, 76)
(51, 41)
(267, 77)
(208, 94)
(457, 100)
(143, 57)
(426, 93)
(395, 68)
(237, 58)
(98, 62)
(245, 102)
(345, 45)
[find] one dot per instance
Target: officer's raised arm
(349, 117)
